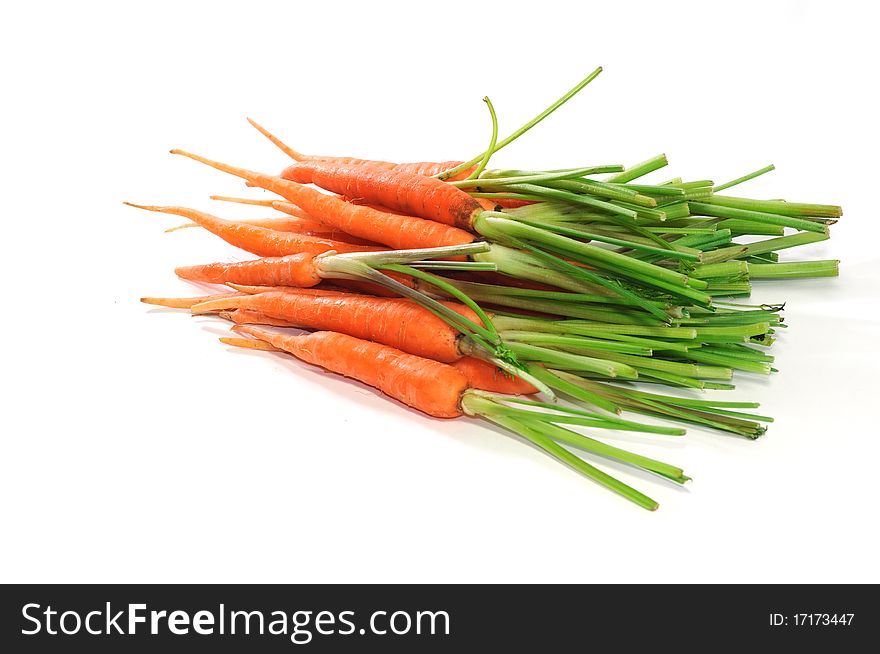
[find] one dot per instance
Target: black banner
(319, 618)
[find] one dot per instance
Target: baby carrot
(396, 231)
(430, 386)
(480, 374)
(395, 322)
(425, 168)
(295, 270)
(259, 240)
(291, 270)
(417, 195)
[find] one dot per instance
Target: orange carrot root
(413, 194)
(396, 231)
(258, 240)
(429, 386)
(398, 323)
(290, 152)
(293, 270)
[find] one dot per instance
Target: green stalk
(557, 383)
(538, 260)
(745, 178)
(593, 236)
(492, 182)
(795, 269)
(761, 247)
(537, 438)
(724, 269)
(721, 211)
(752, 227)
(491, 149)
(779, 207)
(661, 365)
(600, 365)
(639, 170)
(507, 323)
(501, 228)
(653, 189)
(544, 192)
(575, 341)
(525, 128)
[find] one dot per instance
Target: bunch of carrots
(462, 290)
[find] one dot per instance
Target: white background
(137, 448)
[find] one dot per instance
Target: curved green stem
(491, 149)
(525, 128)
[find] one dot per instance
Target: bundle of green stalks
(604, 292)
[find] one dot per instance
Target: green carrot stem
(639, 170)
(535, 263)
(600, 189)
(593, 446)
(545, 192)
(778, 206)
(574, 341)
(536, 437)
(525, 128)
(557, 383)
(662, 365)
(752, 227)
(721, 211)
(600, 364)
(795, 269)
(523, 265)
(735, 363)
(496, 227)
(595, 236)
(761, 247)
(587, 328)
(745, 178)
(495, 181)
(724, 269)
(491, 149)
(653, 189)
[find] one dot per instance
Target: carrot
(430, 386)
(427, 197)
(294, 270)
(293, 225)
(425, 168)
(291, 270)
(259, 240)
(480, 374)
(395, 322)
(240, 290)
(396, 231)
(246, 289)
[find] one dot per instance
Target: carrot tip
(147, 207)
(184, 226)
